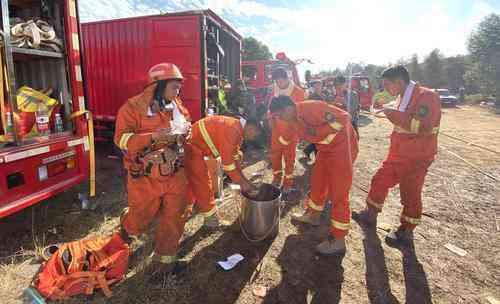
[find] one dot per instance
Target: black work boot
(158, 271)
(367, 216)
(400, 238)
(332, 246)
(125, 236)
(214, 222)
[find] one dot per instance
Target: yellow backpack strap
(208, 139)
(95, 246)
(104, 284)
(77, 255)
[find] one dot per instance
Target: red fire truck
(118, 54)
(257, 74)
(34, 168)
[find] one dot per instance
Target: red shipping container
(118, 54)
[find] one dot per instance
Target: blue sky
(331, 33)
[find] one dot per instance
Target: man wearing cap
(284, 137)
(317, 91)
(157, 187)
(347, 100)
(413, 148)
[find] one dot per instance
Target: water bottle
(9, 129)
(31, 296)
(59, 124)
(42, 120)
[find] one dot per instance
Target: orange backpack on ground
(81, 266)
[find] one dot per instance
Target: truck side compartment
(33, 167)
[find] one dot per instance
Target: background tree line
(478, 71)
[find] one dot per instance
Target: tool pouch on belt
(162, 162)
(136, 168)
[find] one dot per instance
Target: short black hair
(339, 80)
(279, 73)
(279, 103)
(159, 93)
(253, 121)
(396, 72)
(249, 119)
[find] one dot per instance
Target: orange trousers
(410, 175)
(199, 180)
(332, 179)
(278, 153)
(164, 199)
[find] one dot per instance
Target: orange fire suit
(412, 150)
(330, 129)
(284, 138)
(212, 137)
(151, 196)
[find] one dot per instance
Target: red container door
(176, 39)
(117, 58)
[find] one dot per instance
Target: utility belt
(159, 163)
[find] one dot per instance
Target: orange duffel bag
(81, 266)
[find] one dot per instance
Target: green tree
(484, 48)
(253, 49)
(307, 76)
(373, 72)
(455, 71)
(434, 70)
(415, 69)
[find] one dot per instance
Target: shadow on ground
(377, 278)
(305, 276)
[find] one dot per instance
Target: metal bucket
(259, 216)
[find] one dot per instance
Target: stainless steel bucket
(259, 216)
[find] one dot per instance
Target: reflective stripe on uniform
(313, 206)
(238, 156)
(207, 139)
(402, 130)
(414, 126)
(289, 176)
(124, 140)
(283, 141)
(277, 172)
(411, 220)
(340, 225)
(328, 139)
(370, 202)
(230, 167)
(164, 259)
(336, 126)
(209, 213)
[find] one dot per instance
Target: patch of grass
(15, 278)
(474, 98)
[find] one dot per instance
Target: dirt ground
(461, 207)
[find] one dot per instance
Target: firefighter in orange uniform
(330, 129)
(156, 187)
(413, 148)
(284, 137)
(213, 137)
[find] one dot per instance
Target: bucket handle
(245, 234)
